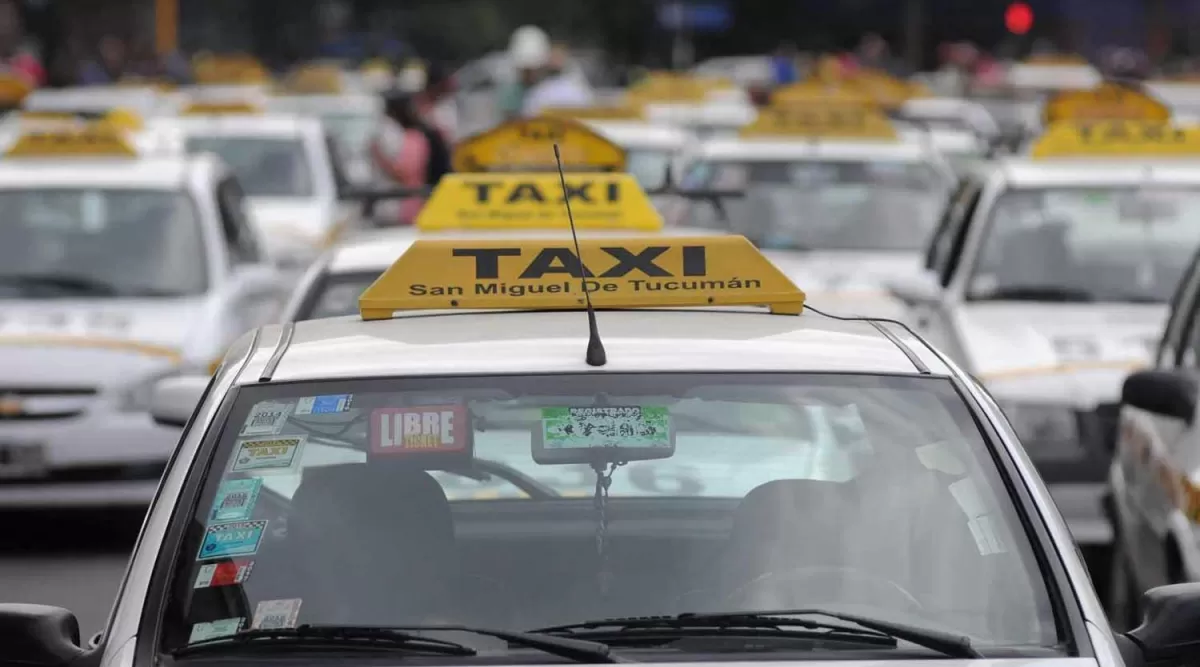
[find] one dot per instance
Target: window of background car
(823, 205)
(401, 501)
(1088, 244)
(264, 167)
(336, 295)
(73, 242)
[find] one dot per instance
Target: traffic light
(1018, 18)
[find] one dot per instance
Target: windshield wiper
(400, 638)
(616, 629)
(1037, 293)
(61, 281)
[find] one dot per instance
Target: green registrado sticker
(609, 426)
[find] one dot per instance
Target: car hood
(1080, 353)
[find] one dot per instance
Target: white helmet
(529, 47)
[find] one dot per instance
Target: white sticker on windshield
(215, 629)
(92, 211)
(276, 614)
(266, 418)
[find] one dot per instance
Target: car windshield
(265, 167)
(1088, 244)
(73, 242)
(335, 295)
(815, 205)
(468, 500)
(648, 166)
(352, 132)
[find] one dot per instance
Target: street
(71, 560)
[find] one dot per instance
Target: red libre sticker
(225, 573)
(424, 428)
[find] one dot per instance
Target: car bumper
(96, 461)
(1082, 505)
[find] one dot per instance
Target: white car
(841, 216)
(287, 167)
(116, 269)
(709, 484)
(1048, 279)
(652, 151)
(350, 119)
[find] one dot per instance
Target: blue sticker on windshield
(323, 405)
(237, 538)
(235, 499)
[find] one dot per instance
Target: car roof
(641, 134)
(347, 103)
(150, 172)
(250, 125)
(438, 343)
(1095, 171)
(375, 251)
(776, 148)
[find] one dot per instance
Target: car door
(932, 319)
(256, 291)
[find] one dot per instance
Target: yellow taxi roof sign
(670, 87)
(821, 121)
(315, 79)
(599, 112)
(95, 140)
(635, 272)
(220, 108)
(1108, 101)
(1117, 138)
(527, 145)
(123, 119)
(536, 201)
(13, 89)
(821, 92)
(886, 90)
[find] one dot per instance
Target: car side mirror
(173, 399)
(914, 290)
(1167, 393)
(1167, 636)
(37, 635)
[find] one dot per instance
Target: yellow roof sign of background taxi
(642, 272)
(824, 120)
(208, 69)
(1118, 138)
(1108, 101)
(536, 201)
(528, 146)
(220, 108)
(673, 87)
(13, 89)
(94, 140)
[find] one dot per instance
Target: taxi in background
(961, 130)
(1154, 480)
(287, 167)
(831, 191)
(118, 267)
(748, 485)
(494, 203)
(654, 151)
(1048, 279)
(703, 106)
(349, 114)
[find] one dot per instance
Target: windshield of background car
(74, 242)
(335, 295)
(264, 167)
(822, 205)
(648, 166)
(352, 132)
(424, 500)
(1088, 244)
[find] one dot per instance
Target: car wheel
(1123, 612)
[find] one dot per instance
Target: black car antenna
(596, 355)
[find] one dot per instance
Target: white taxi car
(692, 484)
(116, 269)
(1048, 279)
(287, 168)
(350, 119)
(836, 197)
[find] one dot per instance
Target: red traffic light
(1018, 18)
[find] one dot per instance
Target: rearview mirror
(35, 634)
(917, 289)
(1167, 635)
(174, 399)
(1167, 393)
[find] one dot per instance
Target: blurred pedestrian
(110, 65)
(435, 100)
(785, 65)
(528, 54)
(559, 85)
(400, 152)
(875, 53)
(16, 57)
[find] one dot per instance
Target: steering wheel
(778, 585)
